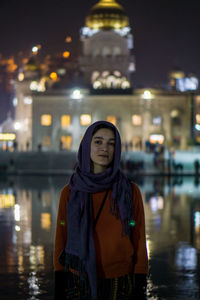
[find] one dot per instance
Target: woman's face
(102, 149)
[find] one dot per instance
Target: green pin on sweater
(132, 223)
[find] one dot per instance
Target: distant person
(27, 146)
(100, 245)
(15, 145)
(60, 145)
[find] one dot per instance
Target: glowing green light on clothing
(62, 223)
(132, 223)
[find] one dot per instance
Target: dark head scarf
(80, 244)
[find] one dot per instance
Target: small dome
(107, 14)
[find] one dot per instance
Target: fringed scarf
(80, 249)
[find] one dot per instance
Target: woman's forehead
(104, 132)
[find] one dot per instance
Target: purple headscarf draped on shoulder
(80, 248)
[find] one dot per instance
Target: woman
(100, 246)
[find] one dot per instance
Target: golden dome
(107, 14)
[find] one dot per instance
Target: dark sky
(166, 32)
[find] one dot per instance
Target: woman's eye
(97, 142)
(112, 144)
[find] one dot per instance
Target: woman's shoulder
(133, 184)
(65, 191)
(135, 189)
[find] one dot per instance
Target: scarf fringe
(73, 262)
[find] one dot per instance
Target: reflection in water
(28, 209)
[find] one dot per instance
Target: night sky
(166, 32)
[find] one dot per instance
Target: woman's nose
(105, 147)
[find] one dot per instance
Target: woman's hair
(103, 126)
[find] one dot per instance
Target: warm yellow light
(68, 39)
(147, 95)
(7, 136)
(21, 76)
(156, 138)
(198, 118)
(136, 120)
(46, 120)
(112, 119)
(11, 67)
(54, 76)
(66, 54)
(7, 200)
(65, 121)
(66, 141)
(45, 221)
(85, 119)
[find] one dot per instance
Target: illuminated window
(66, 141)
(106, 51)
(116, 51)
(156, 138)
(46, 120)
(7, 200)
(65, 120)
(85, 120)
(112, 119)
(157, 120)
(45, 221)
(136, 120)
(46, 141)
(198, 118)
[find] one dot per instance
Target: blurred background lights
(76, 94)
(197, 219)
(7, 136)
(27, 100)
(21, 76)
(68, 39)
(34, 86)
(7, 200)
(17, 228)
(156, 138)
(35, 49)
(53, 76)
(186, 257)
(17, 212)
(156, 203)
(15, 101)
(147, 95)
(66, 54)
(198, 118)
(17, 125)
(197, 127)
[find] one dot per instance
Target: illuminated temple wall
(56, 118)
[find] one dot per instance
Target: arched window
(106, 51)
(116, 51)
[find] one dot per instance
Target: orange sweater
(115, 255)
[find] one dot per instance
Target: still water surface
(28, 209)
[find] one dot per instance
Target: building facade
(56, 118)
